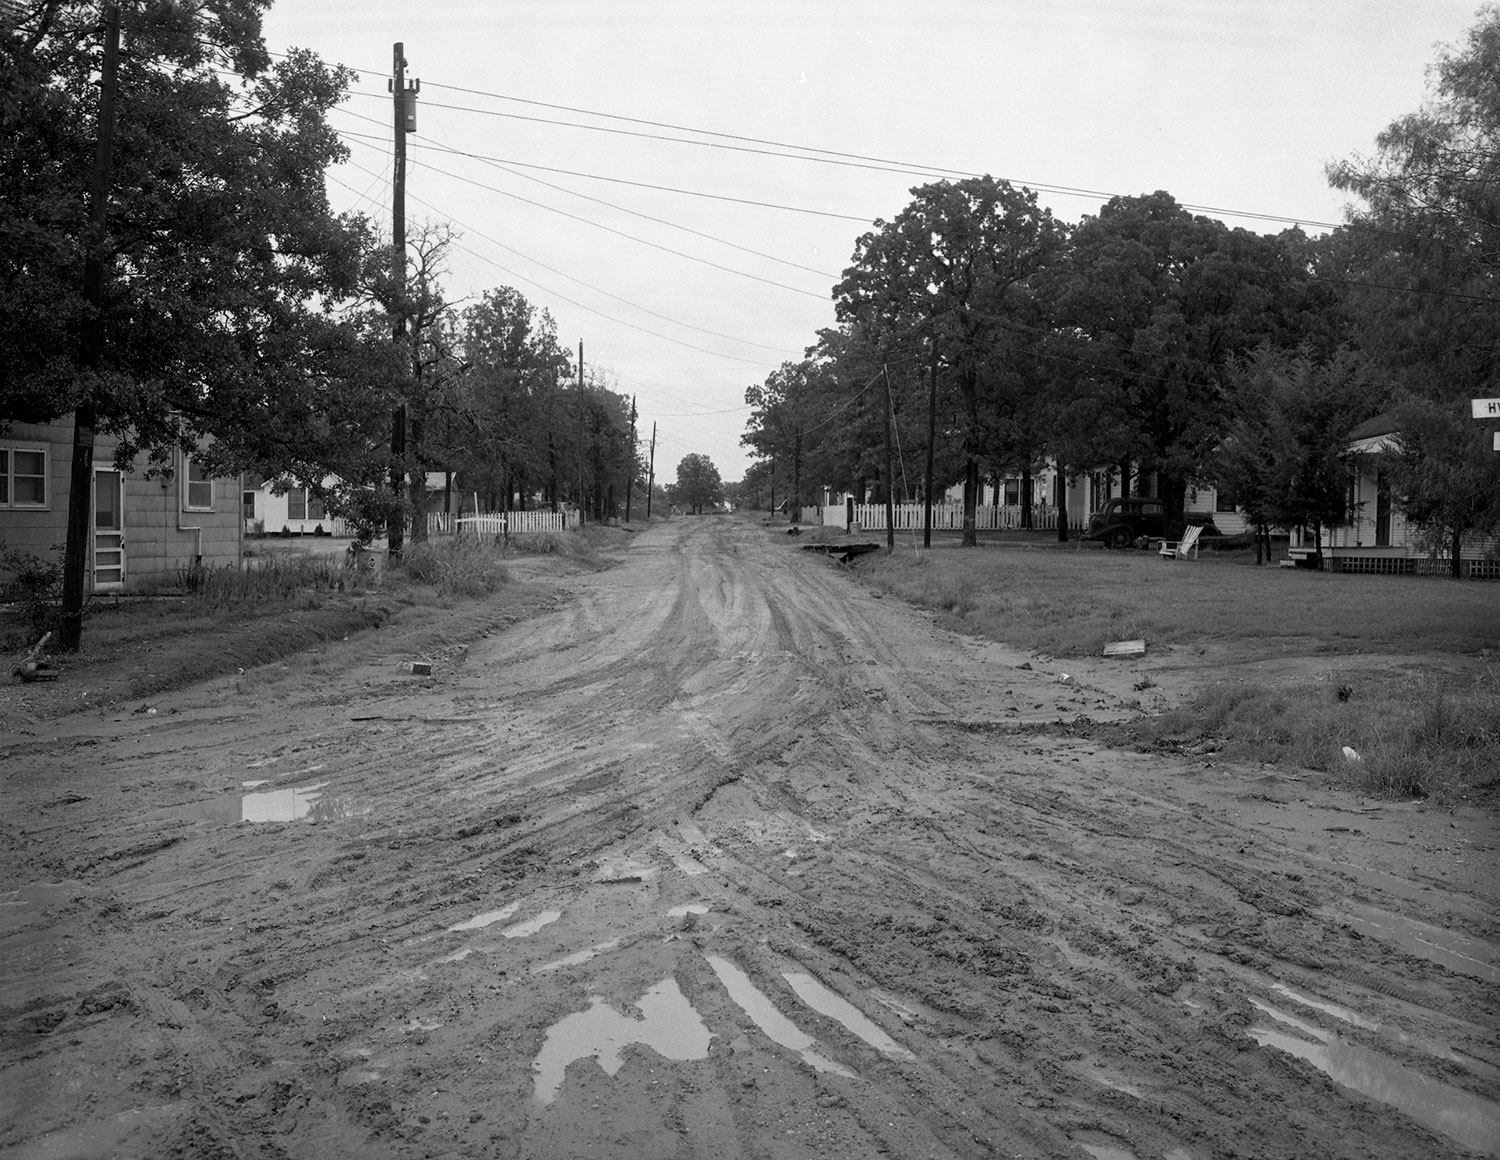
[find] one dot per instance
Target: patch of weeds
(456, 568)
(1428, 738)
(38, 586)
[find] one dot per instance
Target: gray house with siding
(142, 532)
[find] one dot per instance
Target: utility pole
(890, 500)
(579, 461)
(90, 348)
(405, 101)
(651, 472)
(931, 443)
(630, 477)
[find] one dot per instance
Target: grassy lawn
(1430, 726)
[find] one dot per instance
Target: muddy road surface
(714, 853)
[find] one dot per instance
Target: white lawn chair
(1179, 549)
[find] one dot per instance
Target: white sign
(1497, 440)
(1486, 408)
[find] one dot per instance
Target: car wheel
(1119, 538)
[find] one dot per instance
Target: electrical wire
(571, 301)
(439, 147)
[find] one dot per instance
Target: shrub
(38, 587)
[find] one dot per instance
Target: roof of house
(1384, 424)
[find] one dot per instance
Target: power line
(826, 156)
(563, 297)
(630, 237)
(439, 147)
(749, 201)
(600, 290)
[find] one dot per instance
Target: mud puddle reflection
(1355, 1019)
(669, 1025)
(1457, 952)
(773, 1023)
(1471, 1120)
(821, 999)
(298, 804)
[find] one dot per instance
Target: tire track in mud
(721, 748)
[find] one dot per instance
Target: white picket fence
(945, 517)
(500, 523)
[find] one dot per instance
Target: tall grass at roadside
(1405, 737)
(457, 568)
(267, 579)
(1433, 735)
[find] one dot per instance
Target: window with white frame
(23, 477)
(302, 504)
(197, 488)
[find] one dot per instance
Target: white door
(109, 531)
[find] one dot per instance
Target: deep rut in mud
(719, 854)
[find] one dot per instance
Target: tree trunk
(1026, 485)
(797, 478)
(1062, 505)
(1124, 479)
(1318, 545)
(971, 496)
(416, 481)
(1174, 501)
(1457, 544)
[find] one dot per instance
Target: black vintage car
(1121, 522)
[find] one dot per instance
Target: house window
(23, 477)
(1012, 493)
(247, 503)
(301, 505)
(1225, 501)
(197, 489)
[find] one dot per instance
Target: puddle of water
(254, 784)
(689, 865)
(1434, 1049)
(835, 1006)
(489, 916)
(668, 1025)
(420, 1024)
(1106, 1151)
(773, 1023)
(297, 804)
(1292, 1021)
(106, 1137)
(1333, 1009)
(625, 871)
(1457, 952)
(459, 955)
(531, 925)
(689, 908)
(44, 893)
(1471, 1120)
(904, 1012)
(577, 958)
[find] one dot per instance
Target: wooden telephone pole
(405, 100)
(651, 472)
(90, 349)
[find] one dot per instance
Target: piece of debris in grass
(418, 668)
(1351, 756)
(1125, 648)
(1344, 692)
(37, 665)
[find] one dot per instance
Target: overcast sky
(685, 296)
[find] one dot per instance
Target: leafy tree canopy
(698, 484)
(223, 263)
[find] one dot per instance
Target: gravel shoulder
(717, 853)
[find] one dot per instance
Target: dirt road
(716, 854)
